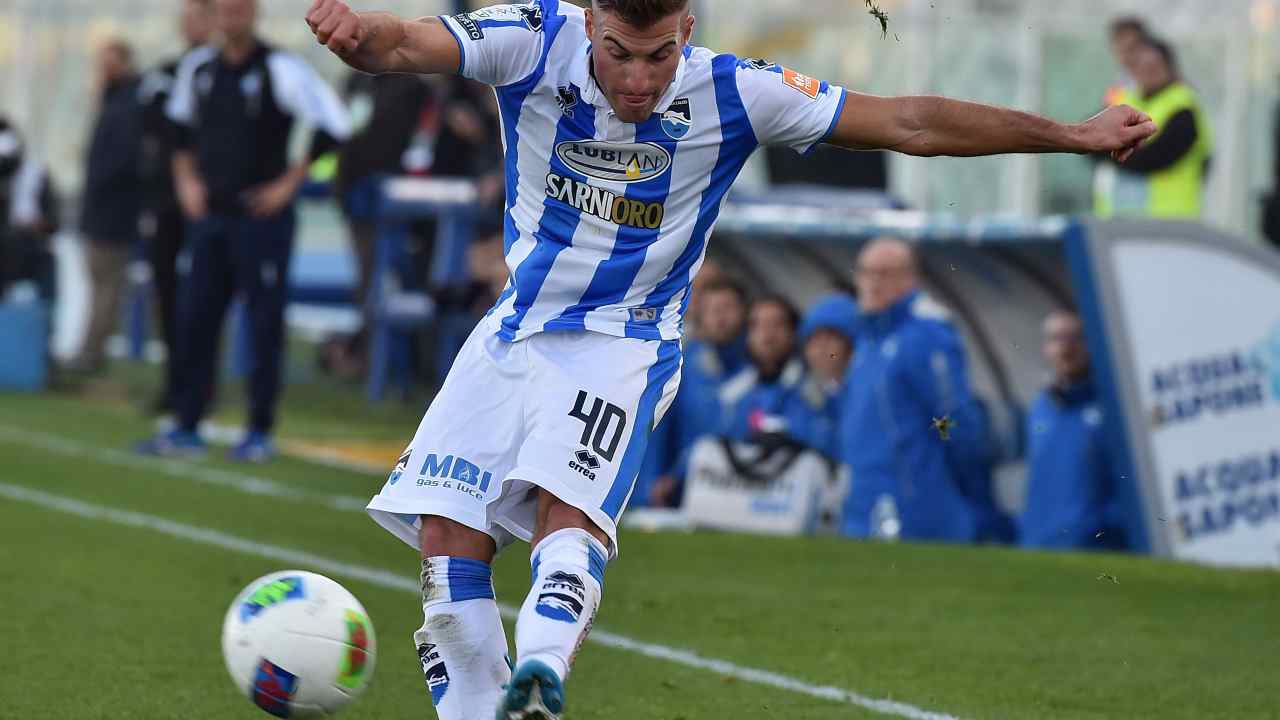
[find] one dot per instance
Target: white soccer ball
(298, 645)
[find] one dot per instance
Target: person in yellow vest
(1165, 177)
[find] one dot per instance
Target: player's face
(827, 353)
(770, 336)
(1064, 347)
(197, 22)
(235, 18)
(722, 317)
(634, 66)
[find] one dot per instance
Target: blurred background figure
(911, 429)
(162, 226)
(235, 105)
(1165, 177)
(1125, 35)
(768, 396)
(715, 353)
(112, 198)
(28, 216)
(827, 337)
(1071, 485)
(390, 108)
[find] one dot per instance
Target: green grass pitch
(106, 621)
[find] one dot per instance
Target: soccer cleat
(173, 443)
(256, 447)
(534, 693)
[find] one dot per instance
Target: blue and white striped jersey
(607, 222)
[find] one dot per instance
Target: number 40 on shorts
(601, 421)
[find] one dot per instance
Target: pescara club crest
(678, 119)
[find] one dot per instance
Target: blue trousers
(232, 254)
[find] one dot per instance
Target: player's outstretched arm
(379, 42)
(929, 126)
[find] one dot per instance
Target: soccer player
(621, 142)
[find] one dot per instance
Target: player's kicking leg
(568, 558)
(462, 644)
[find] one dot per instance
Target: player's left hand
(1117, 130)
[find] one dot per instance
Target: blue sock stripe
(596, 561)
(469, 580)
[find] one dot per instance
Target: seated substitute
(1071, 482)
(717, 353)
(621, 142)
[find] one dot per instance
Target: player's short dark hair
(1128, 23)
(788, 308)
(641, 13)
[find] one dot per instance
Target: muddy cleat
(535, 693)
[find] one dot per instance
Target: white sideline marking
(386, 579)
(184, 469)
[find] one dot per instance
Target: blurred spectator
(394, 104)
(112, 197)
(828, 333)
(770, 396)
(1126, 35)
(162, 226)
(1071, 484)
(717, 353)
(28, 216)
(234, 106)
(1165, 177)
(909, 428)
(442, 127)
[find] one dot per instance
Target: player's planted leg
(462, 644)
(568, 582)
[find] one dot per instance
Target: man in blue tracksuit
(1071, 483)
(910, 425)
(717, 354)
(234, 106)
(827, 334)
(772, 394)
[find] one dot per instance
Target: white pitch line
(184, 469)
(386, 579)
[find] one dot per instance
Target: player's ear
(591, 22)
(689, 22)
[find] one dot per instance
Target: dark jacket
(157, 137)
(113, 183)
(1071, 484)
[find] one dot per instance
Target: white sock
(568, 580)
(462, 644)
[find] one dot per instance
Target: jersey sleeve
(786, 107)
(499, 45)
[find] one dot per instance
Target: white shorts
(570, 412)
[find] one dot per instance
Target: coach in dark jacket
(234, 106)
(112, 195)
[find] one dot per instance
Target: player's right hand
(335, 26)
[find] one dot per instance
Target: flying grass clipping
(879, 15)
